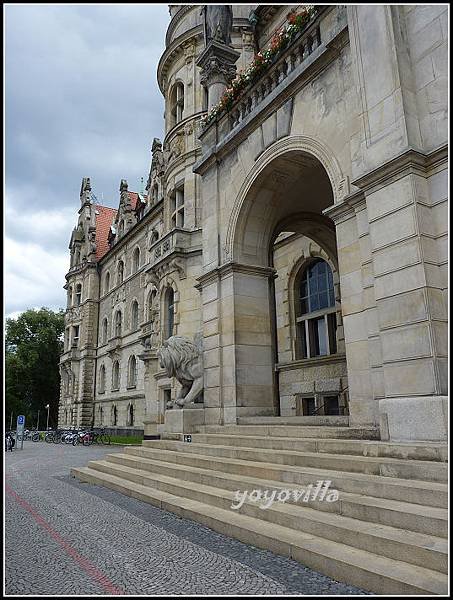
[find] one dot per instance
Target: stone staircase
(386, 533)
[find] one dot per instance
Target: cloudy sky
(81, 101)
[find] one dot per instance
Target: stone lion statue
(183, 359)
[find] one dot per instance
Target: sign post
(20, 431)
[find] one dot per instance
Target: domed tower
(186, 102)
(77, 363)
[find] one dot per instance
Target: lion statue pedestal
(182, 421)
(183, 359)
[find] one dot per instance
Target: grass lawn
(126, 439)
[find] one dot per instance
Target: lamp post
(47, 406)
(37, 424)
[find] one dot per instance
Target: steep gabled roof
(104, 219)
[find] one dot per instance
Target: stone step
(417, 492)
(339, 561)
(386, 467)
(329, 420)
(310, 431)
(403, 450)
(413, 517)
(415, 548)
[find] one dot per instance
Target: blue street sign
(20, 431)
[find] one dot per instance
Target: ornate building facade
(297, 222)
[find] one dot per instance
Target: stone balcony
(178, 242)
(309, 51)
(301, 47)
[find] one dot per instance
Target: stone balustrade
(177, 240)
(299, 49)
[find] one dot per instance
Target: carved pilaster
(217, 63)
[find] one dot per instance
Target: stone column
(151, 419)
(237, 338)
(217, 63)
(406, 225)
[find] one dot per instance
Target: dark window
(315, 312)
(305, 406)
(331, 405)
(170, 310)
(78, 295)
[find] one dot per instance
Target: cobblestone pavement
(66, 537)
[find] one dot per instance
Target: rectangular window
(75, 335)
(331, 405)
(318, 337)
(332, 328)
(177, 208)
(305, 406)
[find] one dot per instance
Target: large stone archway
(286, 192)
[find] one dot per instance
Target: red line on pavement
(84, 563)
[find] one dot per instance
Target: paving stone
(113, 542)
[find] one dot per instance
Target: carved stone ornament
(216, 67)
(183, 359)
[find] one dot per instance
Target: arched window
(102, 379)
(116, 375)
(100, 415)
(177, 104)
(151, 301)
(114, 416)
(120, 272)
(130, 415)
(118, 323)
(136, 260)
(105, 328)
(315, 311)
(132, 372)
(134, 315)
(69, 296)
(107, 282)
(78, 294)
(169, 312)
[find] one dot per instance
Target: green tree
(32, 379)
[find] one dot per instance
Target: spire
(85, 191)
(125, 199)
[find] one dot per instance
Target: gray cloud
(81, 100)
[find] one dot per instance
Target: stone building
(294, 225)
(302, 231)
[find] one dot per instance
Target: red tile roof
(133, 196)
(104, 219)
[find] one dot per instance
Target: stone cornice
(310, 362)
(175, 21)
(174, 50)
(410, 161)
(233, 267)
(181, 125)
(347, 208)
